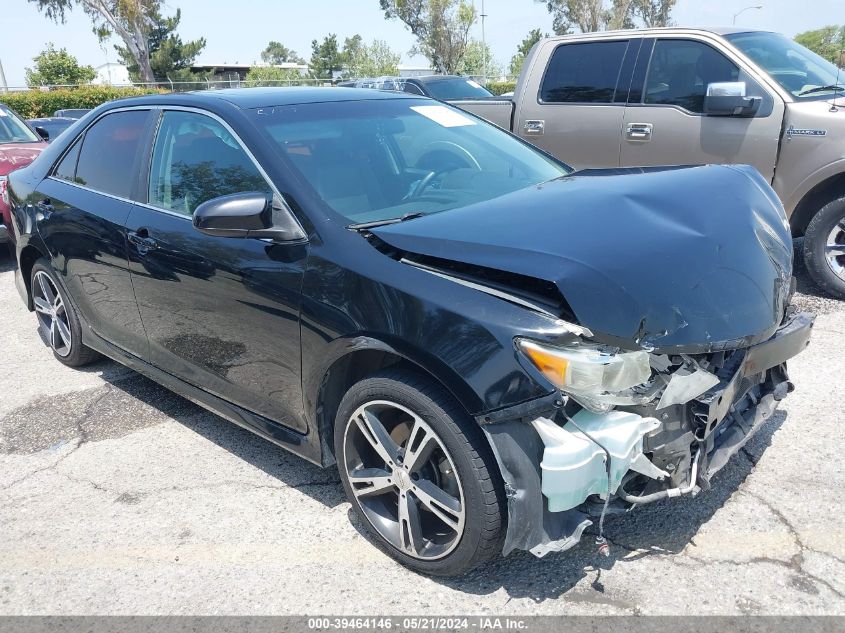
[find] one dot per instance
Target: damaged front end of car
(671, 291)
(664, 437)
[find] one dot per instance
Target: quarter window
(681, 70)
(583, 73)
(110, 153)
(66, 170)
(196, 159)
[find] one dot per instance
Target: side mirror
(728, 99)
(44, 134)
(247, 215)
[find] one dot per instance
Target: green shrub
(501, 87)
(36, 103)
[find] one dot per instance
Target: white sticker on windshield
(2, 112)
(473, 83)
(443, 115)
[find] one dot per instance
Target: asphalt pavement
(119, 497)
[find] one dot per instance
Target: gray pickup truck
(690, 96)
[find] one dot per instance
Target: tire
(826, 228)
(458, 463)
(58, 323)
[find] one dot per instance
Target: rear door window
(110, 159)
(585, 72)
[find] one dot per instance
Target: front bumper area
(658, 450)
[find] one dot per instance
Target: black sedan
(493, 350)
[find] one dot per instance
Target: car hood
(16, 155)
(688, 259)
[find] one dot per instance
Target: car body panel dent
(675, 271)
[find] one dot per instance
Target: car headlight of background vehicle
(596, 377)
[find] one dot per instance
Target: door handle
(533, 127)
(639, 131)
(46, 207)
(142, 241)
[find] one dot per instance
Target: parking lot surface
(119, 497)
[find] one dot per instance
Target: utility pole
(483, 42)
(3, 87)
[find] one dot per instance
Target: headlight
(593, 376)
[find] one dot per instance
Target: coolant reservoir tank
(573, 466)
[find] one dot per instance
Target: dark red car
(19, 145)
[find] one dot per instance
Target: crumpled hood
(16, 155)
(690, 259)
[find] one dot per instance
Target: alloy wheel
(51, 312)
(404, 480)
(834, 249)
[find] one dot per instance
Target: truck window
(583, 73)
(681, 70)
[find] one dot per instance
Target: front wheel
(419, 473)
(824, 248)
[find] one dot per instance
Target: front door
(220, 313)
(665, 122)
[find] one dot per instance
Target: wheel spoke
(421, 443)
(374, 432)
(835, 249)
(440, 503)
(410, 528)
(42, 306)
(46, 290)
(369, 482)
(64, 332)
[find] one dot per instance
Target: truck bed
(496, 111)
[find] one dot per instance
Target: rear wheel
(58, 324)
(824, 248)
(419, 473)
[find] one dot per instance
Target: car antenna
(833, 107)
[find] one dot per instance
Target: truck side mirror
(727, 98)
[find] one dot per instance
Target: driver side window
(196, 159)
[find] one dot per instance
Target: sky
(237, 32)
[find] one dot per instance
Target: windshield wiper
(371, 225)
(832, 87)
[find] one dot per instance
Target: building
(111, 74)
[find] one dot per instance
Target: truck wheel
(419, 473)
(824, 248)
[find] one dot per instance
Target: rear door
(83, 206)
(573, 108)
(220, 313)
(665, 122)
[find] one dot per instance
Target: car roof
(250, 98)
(657, 31)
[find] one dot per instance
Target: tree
(523, 49)
(325, 57)
(130, 20)
(278, 53)
(170, 58)
(473, 61)
(57, 67)
(598, 15)
(827, 42)
(273, 76)
(373, 60)
(440, 26)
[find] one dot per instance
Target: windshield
(795, 68)
(13, 130)
(457, 88)
(379, 159)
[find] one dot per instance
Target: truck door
(574, 108)
(665, 123)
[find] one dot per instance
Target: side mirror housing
(728, 99)
(44, 134)
(251, 214)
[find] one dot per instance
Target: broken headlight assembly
(598, 377)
